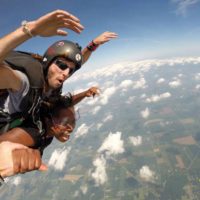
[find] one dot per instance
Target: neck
(46, 87)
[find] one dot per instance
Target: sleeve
(12, 103)
(24, 86)
(34, 133)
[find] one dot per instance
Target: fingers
(75, 28)
(16, 162)
(109, 35)
(68, 20)
(25, 160)
(93, 91)
(70, 24)
(61, 32)
(105, 37)
(65, 14)
(52, 23)
(38, 160)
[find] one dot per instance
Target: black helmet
(64, 48)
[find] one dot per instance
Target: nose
(65, 73)
(69, 128)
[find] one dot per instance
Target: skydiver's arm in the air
(101, 39)
(17, 158)
(88, 93)
(45, 26)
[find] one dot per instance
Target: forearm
(87, 51)
(86, 54)
(11, 41)
(78, 97)
(17, 135)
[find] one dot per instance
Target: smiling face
(63, 124)
(58, 72)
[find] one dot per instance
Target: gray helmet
(63, 48)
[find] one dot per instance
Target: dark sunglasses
(64, 66)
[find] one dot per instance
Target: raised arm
(45, 26)
(101, 39)
(93, 91)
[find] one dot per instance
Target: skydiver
(28, 77)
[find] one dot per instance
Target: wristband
(92, 46)
(26, 28)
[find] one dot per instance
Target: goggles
(63, 66)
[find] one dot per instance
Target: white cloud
(109, 117)
(96, 110)
(183, 6)
(110, 91)
(92, 101)
(99, 125)
(81, 131)
(130, 100)
(112, 145)
(197, 76)
(165, 95)
(84, 189)
(15, 180)
(140, 83)
(108, 84)
(126, 83)
(136, 141)
(161, 80)
(58, 158)
(180, 75)
(107, 94)
(76, 193)
(143, 96)
(156, 98)
(175, 84)
(99, 175)
(147, 174)
(145, 113)
(93, 83)
(197, 87)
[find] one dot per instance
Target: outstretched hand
(52, 23)
(93, 91)
(105, 37)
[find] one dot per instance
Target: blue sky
(146, 28)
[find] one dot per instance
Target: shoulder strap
(24, 62)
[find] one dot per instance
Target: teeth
(65, 138)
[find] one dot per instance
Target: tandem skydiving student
(58, 117)
(28, 77)
(21, 148)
